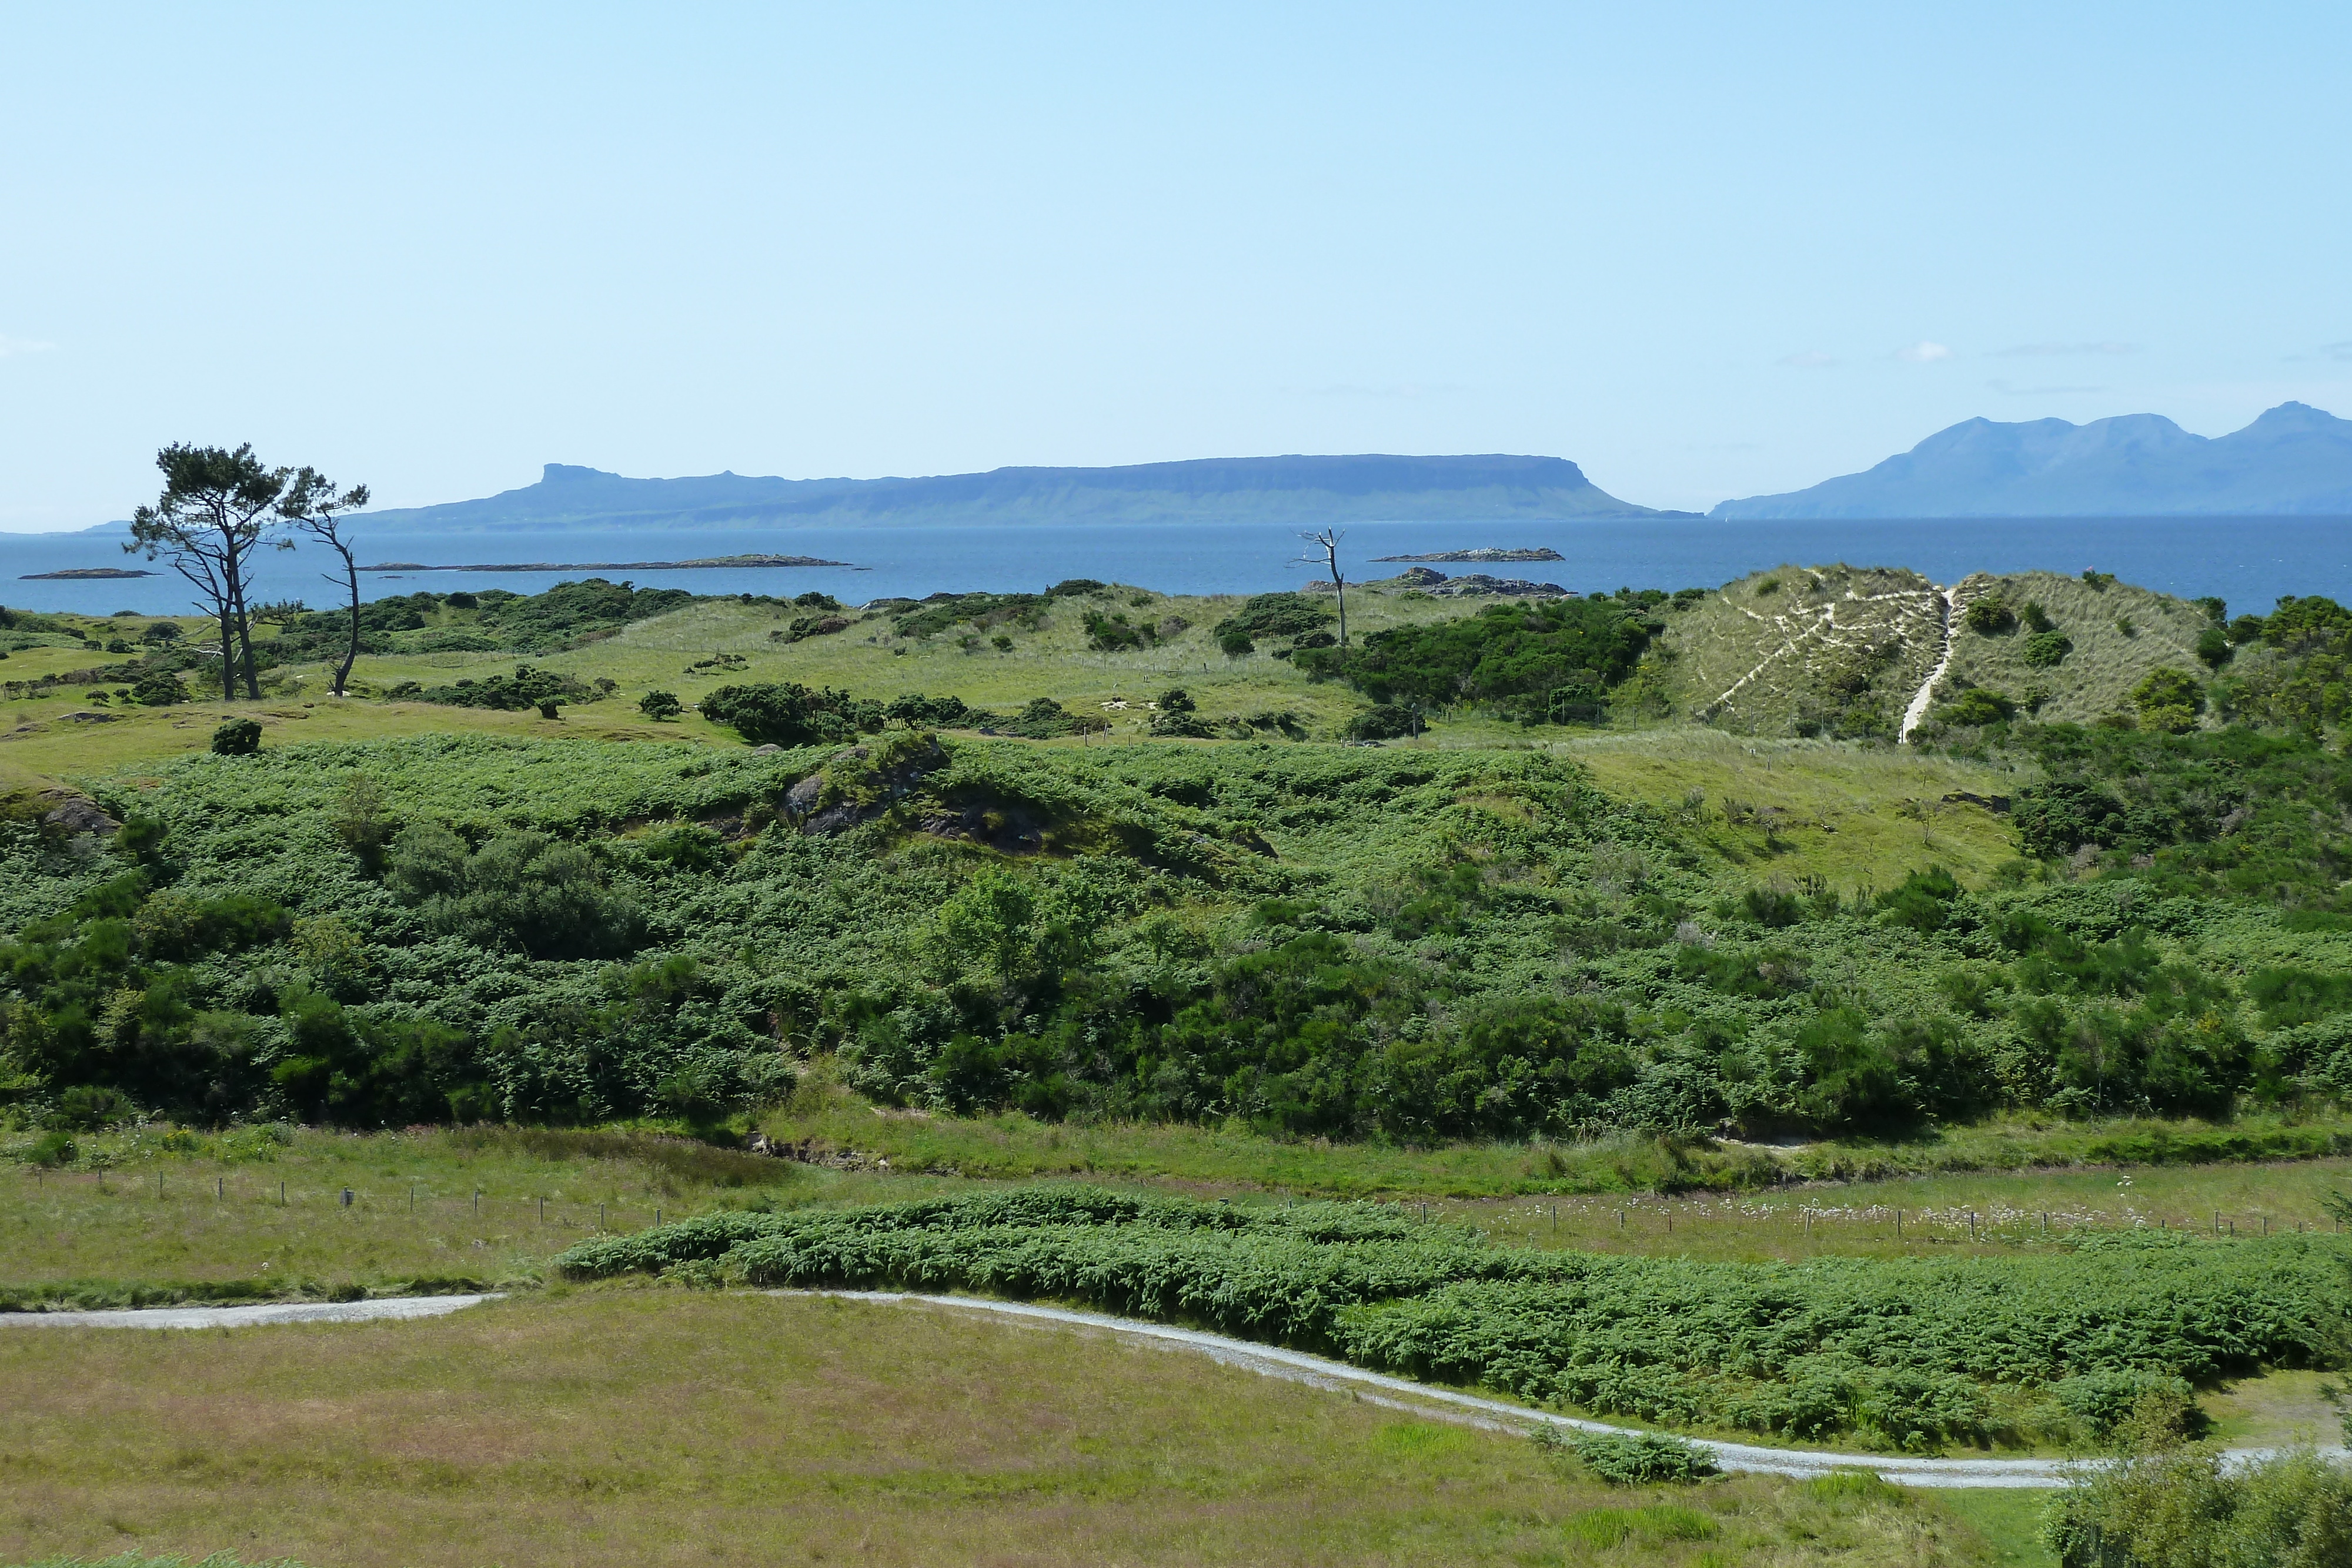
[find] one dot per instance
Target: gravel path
(1293, 1366)
(247, 1317)
(1470, 1410)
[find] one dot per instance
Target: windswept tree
(214, 511)
(317, 507)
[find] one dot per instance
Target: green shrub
(158, 688)
(90, 1108)
(528, 687)
(1383, 721)
(786, 712)
(1526, 659)
(1274, 615)
(2102, 1401)
(238, 738)
(2045, 650)
(1988, 617)
(2182, 1508)
(1647, 1458)
(1978, 705)
(2169, 701)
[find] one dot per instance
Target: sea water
(2250, 562)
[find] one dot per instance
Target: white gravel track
(1293, 1366)
(1494, 1414)
(248, 1317)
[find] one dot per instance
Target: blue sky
(1705, 251)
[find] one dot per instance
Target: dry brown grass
(656, 1427)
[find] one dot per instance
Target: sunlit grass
(1853, 815)
(666, 1427)
(443, 1209)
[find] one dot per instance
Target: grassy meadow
(248, 1215)
(681, 1426)
(63, 734)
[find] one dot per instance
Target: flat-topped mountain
(2294, 461)
(1305, 490)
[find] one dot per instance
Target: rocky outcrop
(854, 787)
(1479, 585)
(70, 813)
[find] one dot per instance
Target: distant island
(1306, 490)
(708, 562)
(80, 573)
(1480, 555)
(2294, 461)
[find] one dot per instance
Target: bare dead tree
(1326, 542)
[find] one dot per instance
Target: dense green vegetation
(2177, 1507)
(1411, 945)
(1913, 1353)
(1550, 661)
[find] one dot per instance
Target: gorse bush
(1915, 1353)
(530, 688)
(1549, 661)
(785, 712)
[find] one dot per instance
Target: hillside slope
(1846, 651)
(1832, 650)
(2116, 632)
(2294, 460)
(1301, 489)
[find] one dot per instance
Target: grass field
(1852, 816)
(1046, 1449)
(64, 734)
(430, 1209)
(666, 1426)
(244, 1212)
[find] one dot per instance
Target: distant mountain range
(1306, 490)
(2294, 461)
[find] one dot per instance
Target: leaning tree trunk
(352, 653)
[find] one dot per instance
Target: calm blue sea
(2250, 562)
